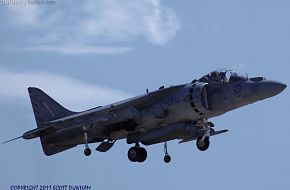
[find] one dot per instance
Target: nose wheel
(137, 154)
(202, 144)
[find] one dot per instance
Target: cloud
(89, 23)
(76, 50)
(71, 92)
(23, 14)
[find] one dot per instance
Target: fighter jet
(177, 112)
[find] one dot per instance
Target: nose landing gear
(202, 142)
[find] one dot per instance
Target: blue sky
(90, 53)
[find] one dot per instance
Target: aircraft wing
(212, 133)
(136, 102)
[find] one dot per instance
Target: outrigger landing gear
(87, 150)
(137, 153)
(167, 158)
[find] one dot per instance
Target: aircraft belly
(71, 136)
(116, 135)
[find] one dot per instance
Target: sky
(90, 53)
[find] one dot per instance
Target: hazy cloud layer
(72, 49)
(82, 25)
(69, 91)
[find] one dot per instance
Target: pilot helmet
(215, 76)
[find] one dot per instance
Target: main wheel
(132, 154)
(137, 154)
(202, 145)
(87, 151)
(167, 158)
(141, 154)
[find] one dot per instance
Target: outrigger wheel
(166, 158)
(87, 151)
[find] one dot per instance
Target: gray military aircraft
(177, 112)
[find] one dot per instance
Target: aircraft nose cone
(277, 87)
(281, 87)
(271, 88)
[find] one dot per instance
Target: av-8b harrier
(177, 112)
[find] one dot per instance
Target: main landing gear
(137, 154)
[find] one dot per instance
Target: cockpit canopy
(222, 76)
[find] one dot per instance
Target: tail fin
(45, 108)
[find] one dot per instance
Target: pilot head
(215, 76)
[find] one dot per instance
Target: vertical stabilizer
(45, 108)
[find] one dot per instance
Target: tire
(141, 154)
(87, 152)
(167, 158)
(132, 154)
(202, 146)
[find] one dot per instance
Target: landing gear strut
(137, 154)
(202, 142)
(87, 150)
(167, 158)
